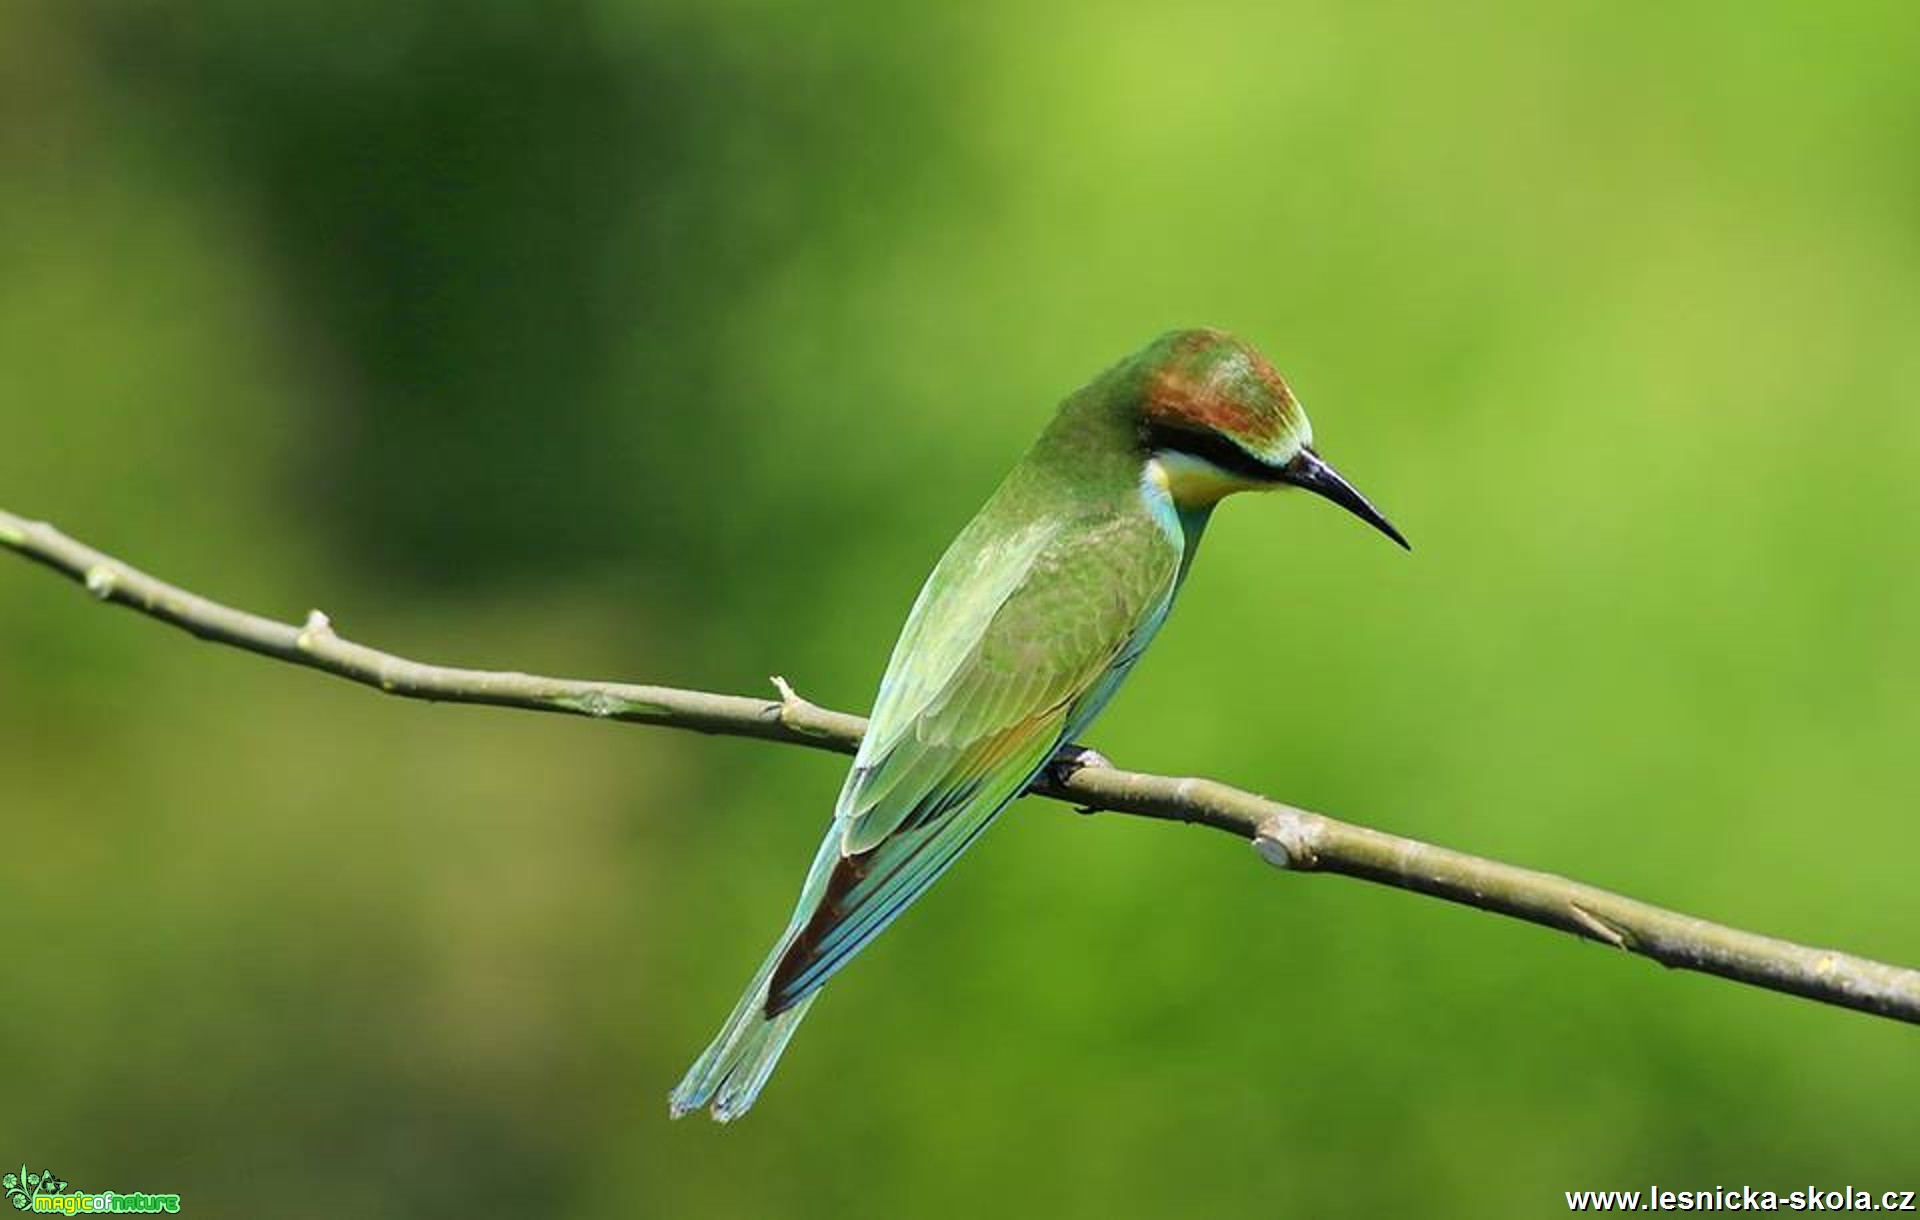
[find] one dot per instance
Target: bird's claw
(1070, 760)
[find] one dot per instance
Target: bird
(1028, 624)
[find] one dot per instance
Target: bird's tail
(731, 1072)
(734, 1068)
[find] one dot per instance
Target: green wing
(1003, 655)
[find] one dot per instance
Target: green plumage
(1016, 640)
(1024, 630)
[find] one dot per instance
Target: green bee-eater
(1028, 625)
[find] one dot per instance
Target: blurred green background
(672, 342)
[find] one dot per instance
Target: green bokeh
(673, 341)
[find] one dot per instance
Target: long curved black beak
(1308, 471)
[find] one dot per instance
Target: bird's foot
(1071, 759)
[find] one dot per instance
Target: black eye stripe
(1209, 446)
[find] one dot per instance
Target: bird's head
(1214, 418)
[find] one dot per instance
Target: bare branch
(1284, 836)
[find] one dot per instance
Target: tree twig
(1284, 836)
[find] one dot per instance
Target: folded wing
(998, 662)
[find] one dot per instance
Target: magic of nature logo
(43, 1192)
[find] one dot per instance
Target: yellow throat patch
(1193, 483)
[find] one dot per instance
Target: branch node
(1600, 929)
(1286, 841)
(101, 580)
(792, 712)
(598, 704)
(1274, 852)
(318, 627)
